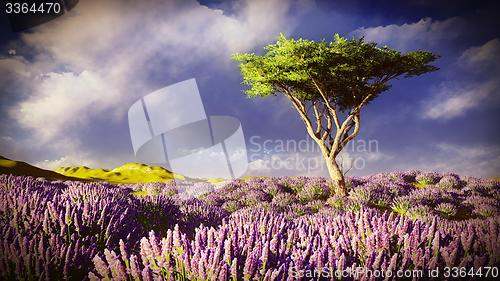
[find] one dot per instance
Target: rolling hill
(128, 173)
(18, 168)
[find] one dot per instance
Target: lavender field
(258, 229)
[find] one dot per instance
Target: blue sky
(66, 91)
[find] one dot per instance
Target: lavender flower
(73, 231)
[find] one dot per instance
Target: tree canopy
(345, 71)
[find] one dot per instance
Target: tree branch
(299, 105)
(327, 103)
(334, 148)
(328, 126)
(347, 129)
(354, 133)
(319, 125)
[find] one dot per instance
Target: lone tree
(329, 83)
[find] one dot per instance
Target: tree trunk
(337, 177)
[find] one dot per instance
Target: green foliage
(232, 206)
(272, 189)
(421, 184)
(401, 205)
(485, 210)
(337, 202)
(382, 201)
(361, 195)
(346, 71)
(353, 206)
(419, 212)
(448, 182)
(284, 200)
(446, 209)
(315, 205)
(313, 192)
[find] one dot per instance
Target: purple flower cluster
(52, 230)
(260, 245)
(401, 192)
(260, 228)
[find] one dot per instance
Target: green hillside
(128, 173)
(19, 168)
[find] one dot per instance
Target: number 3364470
(32, 8)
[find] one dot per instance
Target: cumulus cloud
(14, 66)
(63, 101)
(67, 161)
(100, 57)
(113, 34)
(467, 152)
(475, 160)
(410, 36)
(482, 56)
(478, 159)
(455, 101)
(453, 98)
(456, 98)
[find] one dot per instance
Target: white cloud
(14, 65)
(473, 160)
(468, 159)
(468, 152)
(378, 156)
(98, 33)
(67, 161)
(454, 101)
(258, 168)
(487, 54)
(410, 36)
(453, 98)
(63, 101)
(100, 57)
(456, 98)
